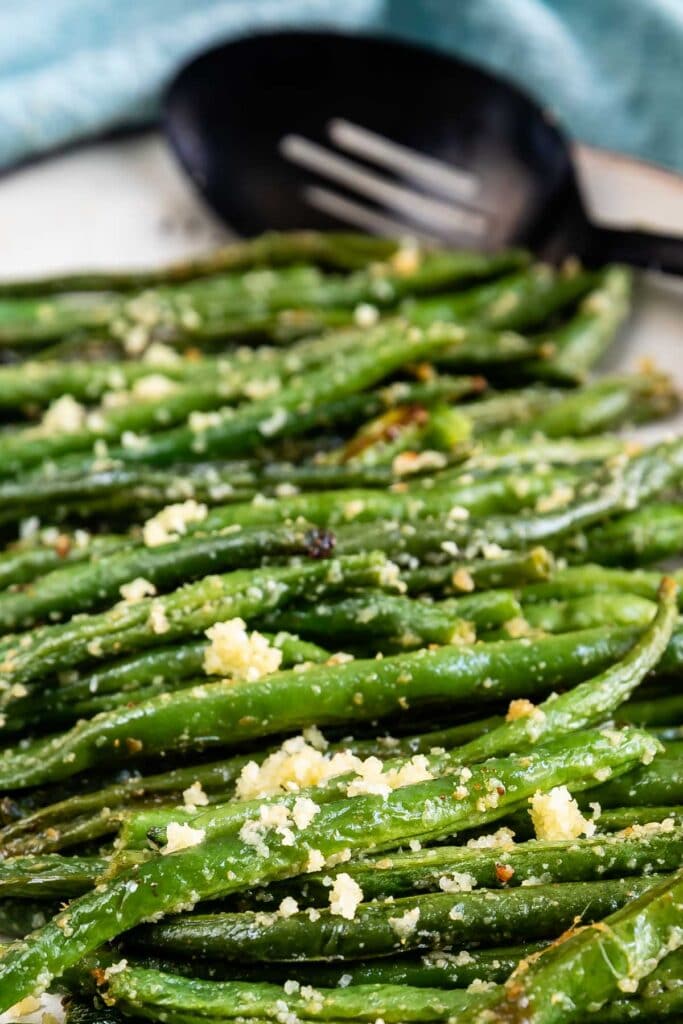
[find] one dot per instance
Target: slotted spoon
(303, 129)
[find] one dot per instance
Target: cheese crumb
(194, 796)
(316, 861)
(556, 815)
(251, 834)
(372, 780)
(199, 421)
(137, 589)
(116, 968)
(366, 315)
(153, 387)
(304, 811)
(504, 838)
(171, 522)
(298, 764)
(240, 655)
(63, 416)
(650, 828)
(403, 926)
(522, 708)
(557, 499)
(161, 355)
(409, 462)
(406, 260)
(274, 423)
(345, 895)
(157, 619)
(288, 907)
(457, 881)
(313, 735)
(462, 580)
(181, 837)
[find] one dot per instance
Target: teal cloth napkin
(611, 70)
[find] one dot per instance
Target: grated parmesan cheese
(194, 796)
(240, 655)
(171, 522)
(161, 355)
(462, 580)
(274, 423)
(556, 815)
(288, 907)
(366, 315)
(304, 811)
(316, 861)
(406, 463)
(406, 924)
(296, 765)
(63, 416)
(406, 260)
(153, 387)
(457, 881)
(117, 968)
(199, 421)
(137, 589)
(157, 619)
(181, 837)
(27, 1005)
(345, 895)
(522, 708)
(503, 837)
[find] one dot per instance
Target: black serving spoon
(321, 129)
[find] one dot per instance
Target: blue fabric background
(612, 70)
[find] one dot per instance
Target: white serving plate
(126, 203)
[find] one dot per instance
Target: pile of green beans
(340, 643)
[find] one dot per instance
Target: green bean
(606, 404)
(139, 990)
(26, 560)
(577, 860)
(581, 341)
(517, 301)
(211, 547)
(289, 412)
(222, 304)
(625, 819)
(363, 823)
(122, 683)
(590, 966)
(656, 784)
(67, 822)
(86, 586)
(410, 621)
(381, 929)
(588, 703)
(507, 570)
(228, 713)
(660, 711)
(576, 581)
(585, 612)
(130, 626)
(336, 250)
(18, 917)
(636, 538)
(440, 969)
(49, 876)
(79, 1011)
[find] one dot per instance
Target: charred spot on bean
(320, 543)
